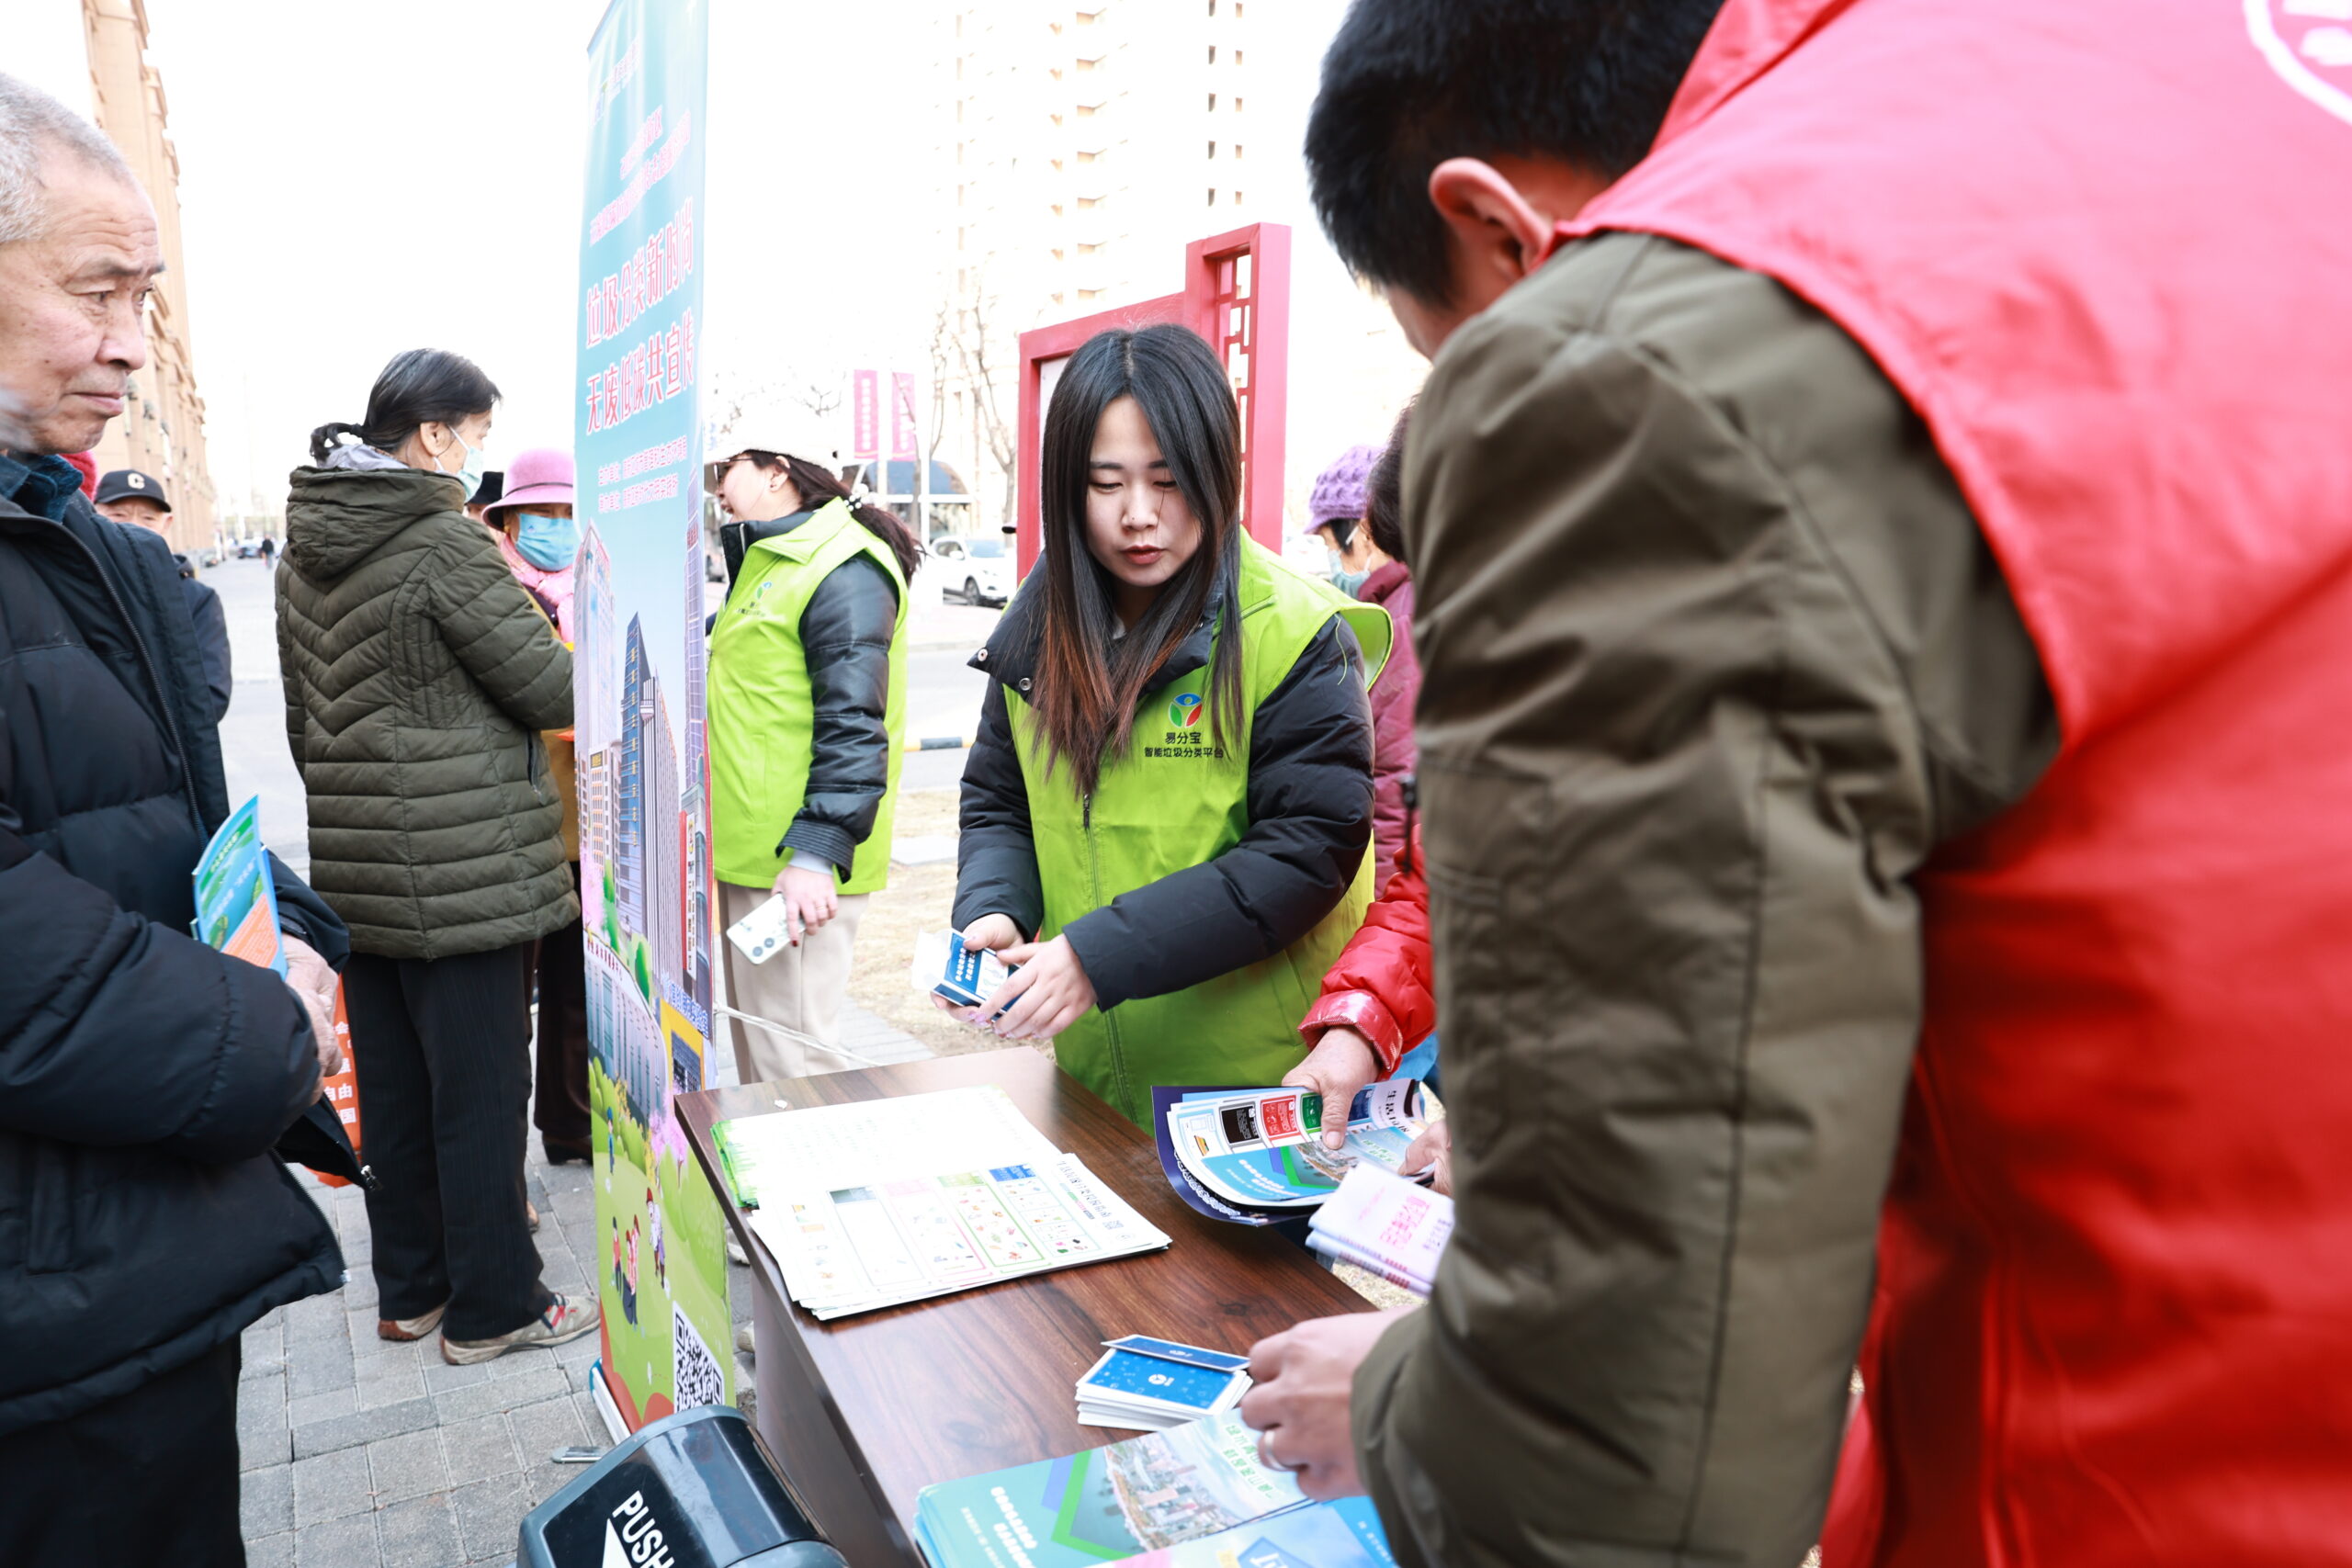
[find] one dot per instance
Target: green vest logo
(1186, 738)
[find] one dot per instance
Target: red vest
(2105, 248)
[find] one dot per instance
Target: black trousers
(443, 1047)
(150, 1477)
(559, 1100)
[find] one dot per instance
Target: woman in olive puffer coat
(418, 676)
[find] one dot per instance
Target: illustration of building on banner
(629, 836)
(664, 876)
(593, 694)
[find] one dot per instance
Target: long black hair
(422, 386)
(817, 487)
(1088, 679)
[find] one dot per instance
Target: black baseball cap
(130, 484)
(493, 486)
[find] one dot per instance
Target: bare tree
(943, 355)
(737, 398)
(820, 395)
(982, 369)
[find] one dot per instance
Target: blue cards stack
(1150, 1385)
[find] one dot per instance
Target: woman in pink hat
(537, 531)
(540, 539)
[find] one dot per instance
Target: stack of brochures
(1256, 1155)
(884, 1201)
(1193, 1497)
(1149, 1385)
(1381, 1222)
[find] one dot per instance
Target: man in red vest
(1882, 511)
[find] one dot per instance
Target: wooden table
(864, 1412)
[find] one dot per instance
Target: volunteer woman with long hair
(418, 676)
(1167, 811)
(808, 692)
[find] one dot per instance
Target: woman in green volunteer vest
(1166, 813)
(806, 690)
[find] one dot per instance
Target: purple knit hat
(1339, 488)
(542, 474)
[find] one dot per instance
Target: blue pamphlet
(1343, 1534)
(1169, 1351)
(1126, 1372)
(1105, 1504)
(236, 902)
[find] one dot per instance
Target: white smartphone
(762, 933)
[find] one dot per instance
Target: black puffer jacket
(1310, 817)
(211, 636)
(143, 1077)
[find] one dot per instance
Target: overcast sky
(372, 175)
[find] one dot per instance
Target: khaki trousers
(800, 987)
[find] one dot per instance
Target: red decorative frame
(1236, 295)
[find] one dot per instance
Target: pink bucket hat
(542, 474)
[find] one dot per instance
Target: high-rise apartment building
(1083, 145)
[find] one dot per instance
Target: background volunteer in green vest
(808, 693)
(1167, 810)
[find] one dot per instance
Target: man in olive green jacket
(1715, 657)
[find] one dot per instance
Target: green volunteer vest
(1175, 799)
(761, 706)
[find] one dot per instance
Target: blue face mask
(1343, 579)
(548, 543)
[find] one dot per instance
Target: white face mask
(470, 472)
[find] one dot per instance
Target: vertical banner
(645, 865)
(865, 414)
(902, 415)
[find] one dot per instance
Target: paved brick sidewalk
(362, 1454)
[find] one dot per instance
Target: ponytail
(329, 436)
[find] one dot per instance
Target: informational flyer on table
(879, 1202)
(646, 894)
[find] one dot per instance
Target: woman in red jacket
(1380, 990)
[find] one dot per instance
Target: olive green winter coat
(418, 675)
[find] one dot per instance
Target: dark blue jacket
(143, 1077)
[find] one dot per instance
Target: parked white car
(974, 570)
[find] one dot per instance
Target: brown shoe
(564, 1320)
(400, 1330)
(531, 1212)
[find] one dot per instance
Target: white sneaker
(564, 1320)
(400, 1330)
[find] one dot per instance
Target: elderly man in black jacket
(144, 1077)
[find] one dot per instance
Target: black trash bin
(693, 1490)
